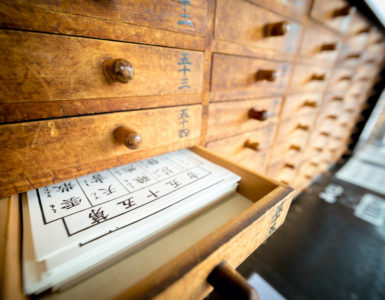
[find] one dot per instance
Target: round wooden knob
(229, 284)
(336, 98)
(342, 12)
(318, 149)
(325, 133)
(260, 115)
(128, 137)
(252, 145)
(289, 165)
(364, 30)
(118, 70)
(276, 29)
(329, 47)
(310, 103)
(268, 75)
(318, 77)
(333, 117)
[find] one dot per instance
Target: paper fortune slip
(72, 226)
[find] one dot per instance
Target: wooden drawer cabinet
(246, 77)
(40, 68)
(320, 44)
(336, 14)
(164, 14)
(231, 118)
(43, 152)
(310, 78)
(176, 265)
(259, 27)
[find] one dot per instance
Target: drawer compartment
(309, 77)
(231, 118)
(230, 230)
(168, 15)
(40, 67)
(249, 149)
(300, 104)
(259, 27)
(45, 152)
(320, 44)
(247, 77)
(336, 14)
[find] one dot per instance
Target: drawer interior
(204, 240)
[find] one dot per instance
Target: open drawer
(176, 265)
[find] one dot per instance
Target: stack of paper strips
(73, 228)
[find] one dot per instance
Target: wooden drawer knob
(118, 70)
(345, 78)
(303, 127)
(260, 115)
(318, 77)
(353, 56)
(276, 29)
(128, 137)
(229, 284)
(325, 133)
(295, 148)
(289, 165)
(268, 75)
(329, 47)
(363, 31)
(318, 149)
(310, 103)
(332, 117)
(338, 98)
(342, 12)
(252, 145)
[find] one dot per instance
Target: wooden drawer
(282, 171)
(249, 149)
(231, 118)
(296, 130)
(341, 79)
(292, 7)
(39, 153)
(288, 151)
(309, 77)
(259, 27)
(180, 16)
(230, 231)
(300, 104)
(247, 77)
(41, 67)
(320, 44)
(335, 14)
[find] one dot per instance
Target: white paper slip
(128, 204)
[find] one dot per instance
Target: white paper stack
(73, 228)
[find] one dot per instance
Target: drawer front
(231, 118)
(259, 27)
(301, 104)
(282, 171)
(289, 151)
(296, 130)
(320, 44)
(181, 16)
(249, 149)
(44, 152)
(247, 77)
(297, 7)
(336, 14)
(42, 67)
(309, 77)
(341, 79)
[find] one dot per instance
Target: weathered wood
(251, 29)
(300, 104)
(336, 14)
(231, 118)
(309, 77)
(163, 14)
(241, 81)
(40, 67)
(38, 153)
